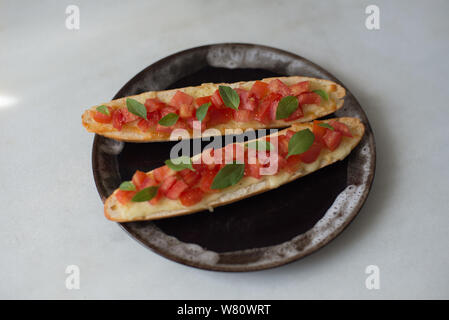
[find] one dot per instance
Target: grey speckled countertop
(51, 213)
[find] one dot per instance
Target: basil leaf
(103, 109)
(135, 107)
(127, 186)
(145, 194)
(202, 111)
(322, 93)
(286, 107)
(230, 97)
(169, 120)
(326, 125)
(259, 145)
(300, 142)
(229, 175)
(180, 163)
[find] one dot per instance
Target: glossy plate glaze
(265, 231)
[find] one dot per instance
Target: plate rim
(242, 267)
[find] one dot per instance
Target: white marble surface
(51, 212)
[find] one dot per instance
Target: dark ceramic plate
(260, 232)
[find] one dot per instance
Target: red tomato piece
(156, 198)
(341, 127)
(289, 134)
(176, 189)
(309, 98)
(154, 104)
(332, 139)
(128, 116)
(103, 118)
(181, 99)
(263, 111)
(216, 100)
(283, 145)
(153, 118)
(191, 196)
(300, 87)
(318, 131)
(167, 184)
(217, 116)
(202, 100)
(191, 177)
(168, 110)
(138, 178)
(277, 86)
(253, 170)
(186, 111)
(242, 115)
(259, 89)
(312, 154)
(118, 119)
(124, 196)
(298, 113)
(162, 173)
(293, 163)
(246, 101)
(206, 181)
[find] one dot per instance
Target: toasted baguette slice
(246, 187)
(131, 132)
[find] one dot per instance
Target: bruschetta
(268, 103)
(213, 178)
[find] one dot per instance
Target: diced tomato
(191, 196)
(242, 115)
(138, 178)
(124, 196)
(298, 113)
(312, 154)
(216, 100)
(289, 134)
(217, 116)
(162, 173)
(191, 177)
(153, 118)
(341, 127)
(148, 182)
(277, 86)
(103, 118)
(168, 110)
(253, 170)
(300, 87)
(293, 163)
(118, 119)
(190, 123)
(246, 101)
(181, 99)
(309, 98)
(259, 89)
(186, 111)
(273, 109)
(175, 191)
(263, 111)
(318, 131)
(206, 181)
(332, 139)
(128, 116)
(180, 124)
(167, 184)
(154, 104)
(157, 197)
(283, 145)
(202, 100)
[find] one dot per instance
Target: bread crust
(235, 193)
(131, 133)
